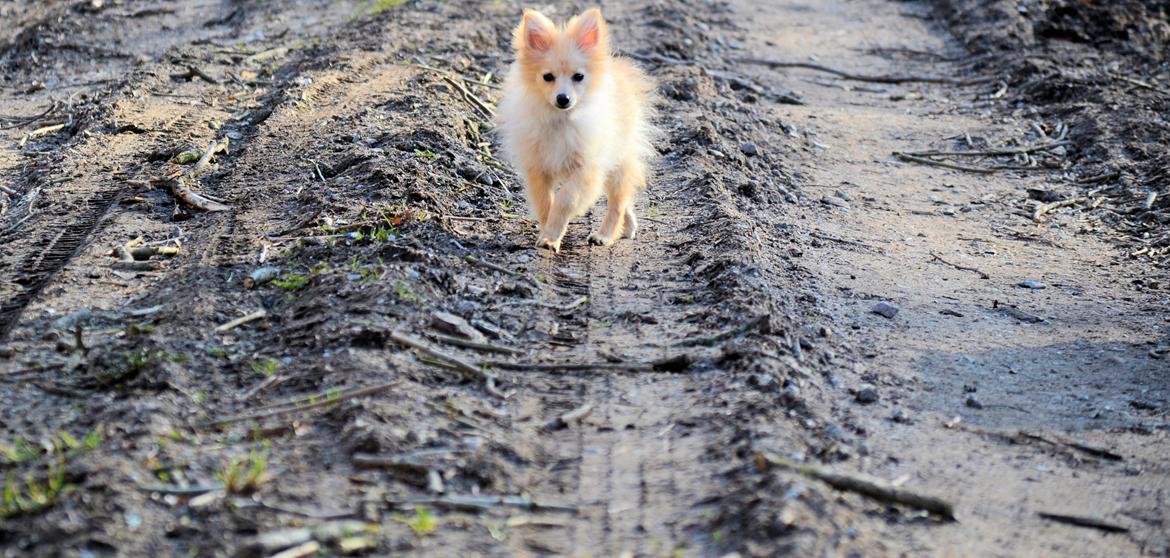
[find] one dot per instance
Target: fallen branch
(872, 488)
(329, 400)
(242, 320)
(894, 79)
(960, 267)
(193, 199)
(1084, 522)
(481, 503)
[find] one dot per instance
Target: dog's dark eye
(578, 77)
(549, 77)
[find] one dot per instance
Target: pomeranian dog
(575, 121)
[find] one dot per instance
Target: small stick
(568, 367)
(181, 490)
(300, 551)
(461, 76)
(990, 152)
(565, 308)
(461, 342)
(25, 120)
(242, 320)
(40, 132)
(471, 98)
(135, 266)
(212, 148)
(479, 503)
(943, 164)
(497, 267)
(962, 267)
(1099, 178)
(193, 199)
(361, 392)
(371, 461)
(1084, 522)
(874, 488)
(709, 340)
(1045, 208)
(260, 276)
(464, 366)
(894, 79)
(147, 252)
(7, 190)
(570, 417)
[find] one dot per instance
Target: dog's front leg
(539, 186)
(573, 197)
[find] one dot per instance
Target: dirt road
(600, 402)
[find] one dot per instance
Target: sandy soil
(617, 401)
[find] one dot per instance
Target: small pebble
(900, 416)
(1032, 284)
(973, 403)
(749, 149)
(885, 310)
(867, 395)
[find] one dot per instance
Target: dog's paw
(547, 244)
(597, 239)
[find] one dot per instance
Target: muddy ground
(616, 401)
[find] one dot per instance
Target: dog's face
(561, 65)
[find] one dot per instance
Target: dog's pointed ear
(535, 32)
(588, 30)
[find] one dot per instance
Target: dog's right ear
(535, 32)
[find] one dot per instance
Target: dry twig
(872, 488)
(894, 79)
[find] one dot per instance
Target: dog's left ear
(588, 30)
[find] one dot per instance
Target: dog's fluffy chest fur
(558, 141)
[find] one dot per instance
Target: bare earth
(641, 387)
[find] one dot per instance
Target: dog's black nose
(563, 101)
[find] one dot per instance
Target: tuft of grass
(19, 452)
(426, 154)
(63, 444)
(265, 367)
(404, 292)
(35, 495)
(292, 281)
(368, 8)
(245, 476)
(422, 523)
